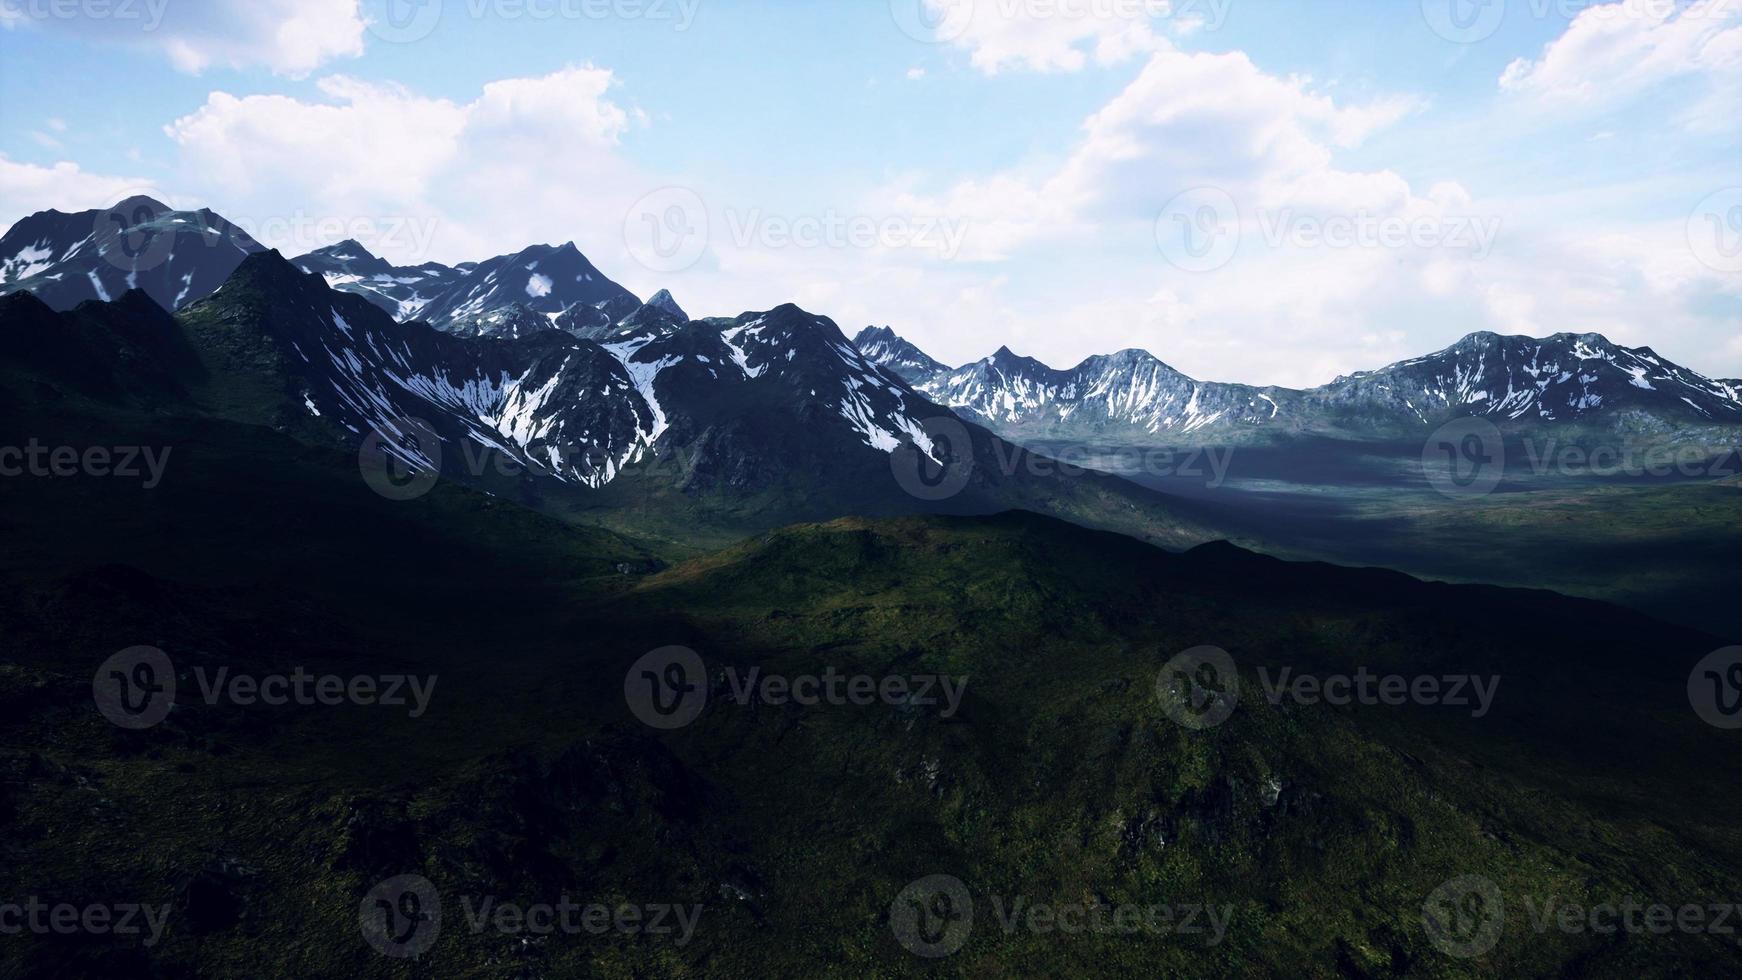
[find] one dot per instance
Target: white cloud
(915, 74)
(1614, 53)
(26, 188)
(528, 159)
(1052, 35)
(1186, 121)
(290, 37)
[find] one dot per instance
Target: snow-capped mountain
(755, 399)
(1564, 378)
(884, 347)
(755, 421)
(1129, 390)
(402, 291)
(1561, 378)
(176, 257)
(547, 280)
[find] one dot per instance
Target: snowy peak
(546, 279)
(176, 257)
(887, 349)
(402, 291)
(1565, 377)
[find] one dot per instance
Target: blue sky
(1273, 192)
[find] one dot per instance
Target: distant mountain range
(753, 421)
(582, 362)
(1133, 395)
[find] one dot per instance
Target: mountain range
(180, 257)
(744, 422)
(1131, 394)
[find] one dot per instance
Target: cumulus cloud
(26, 188)
(1617, 52)
(290, 37)
(528, 157)
(1064, 35)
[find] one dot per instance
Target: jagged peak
(663, 300)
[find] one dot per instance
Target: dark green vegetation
(1665, 545)
(1061, 780)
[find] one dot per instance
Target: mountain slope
(706, 428)
(1317, 833)
(176, 257)
(1514, 380)
(546, 280)
(890, 351)
(403, 291)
